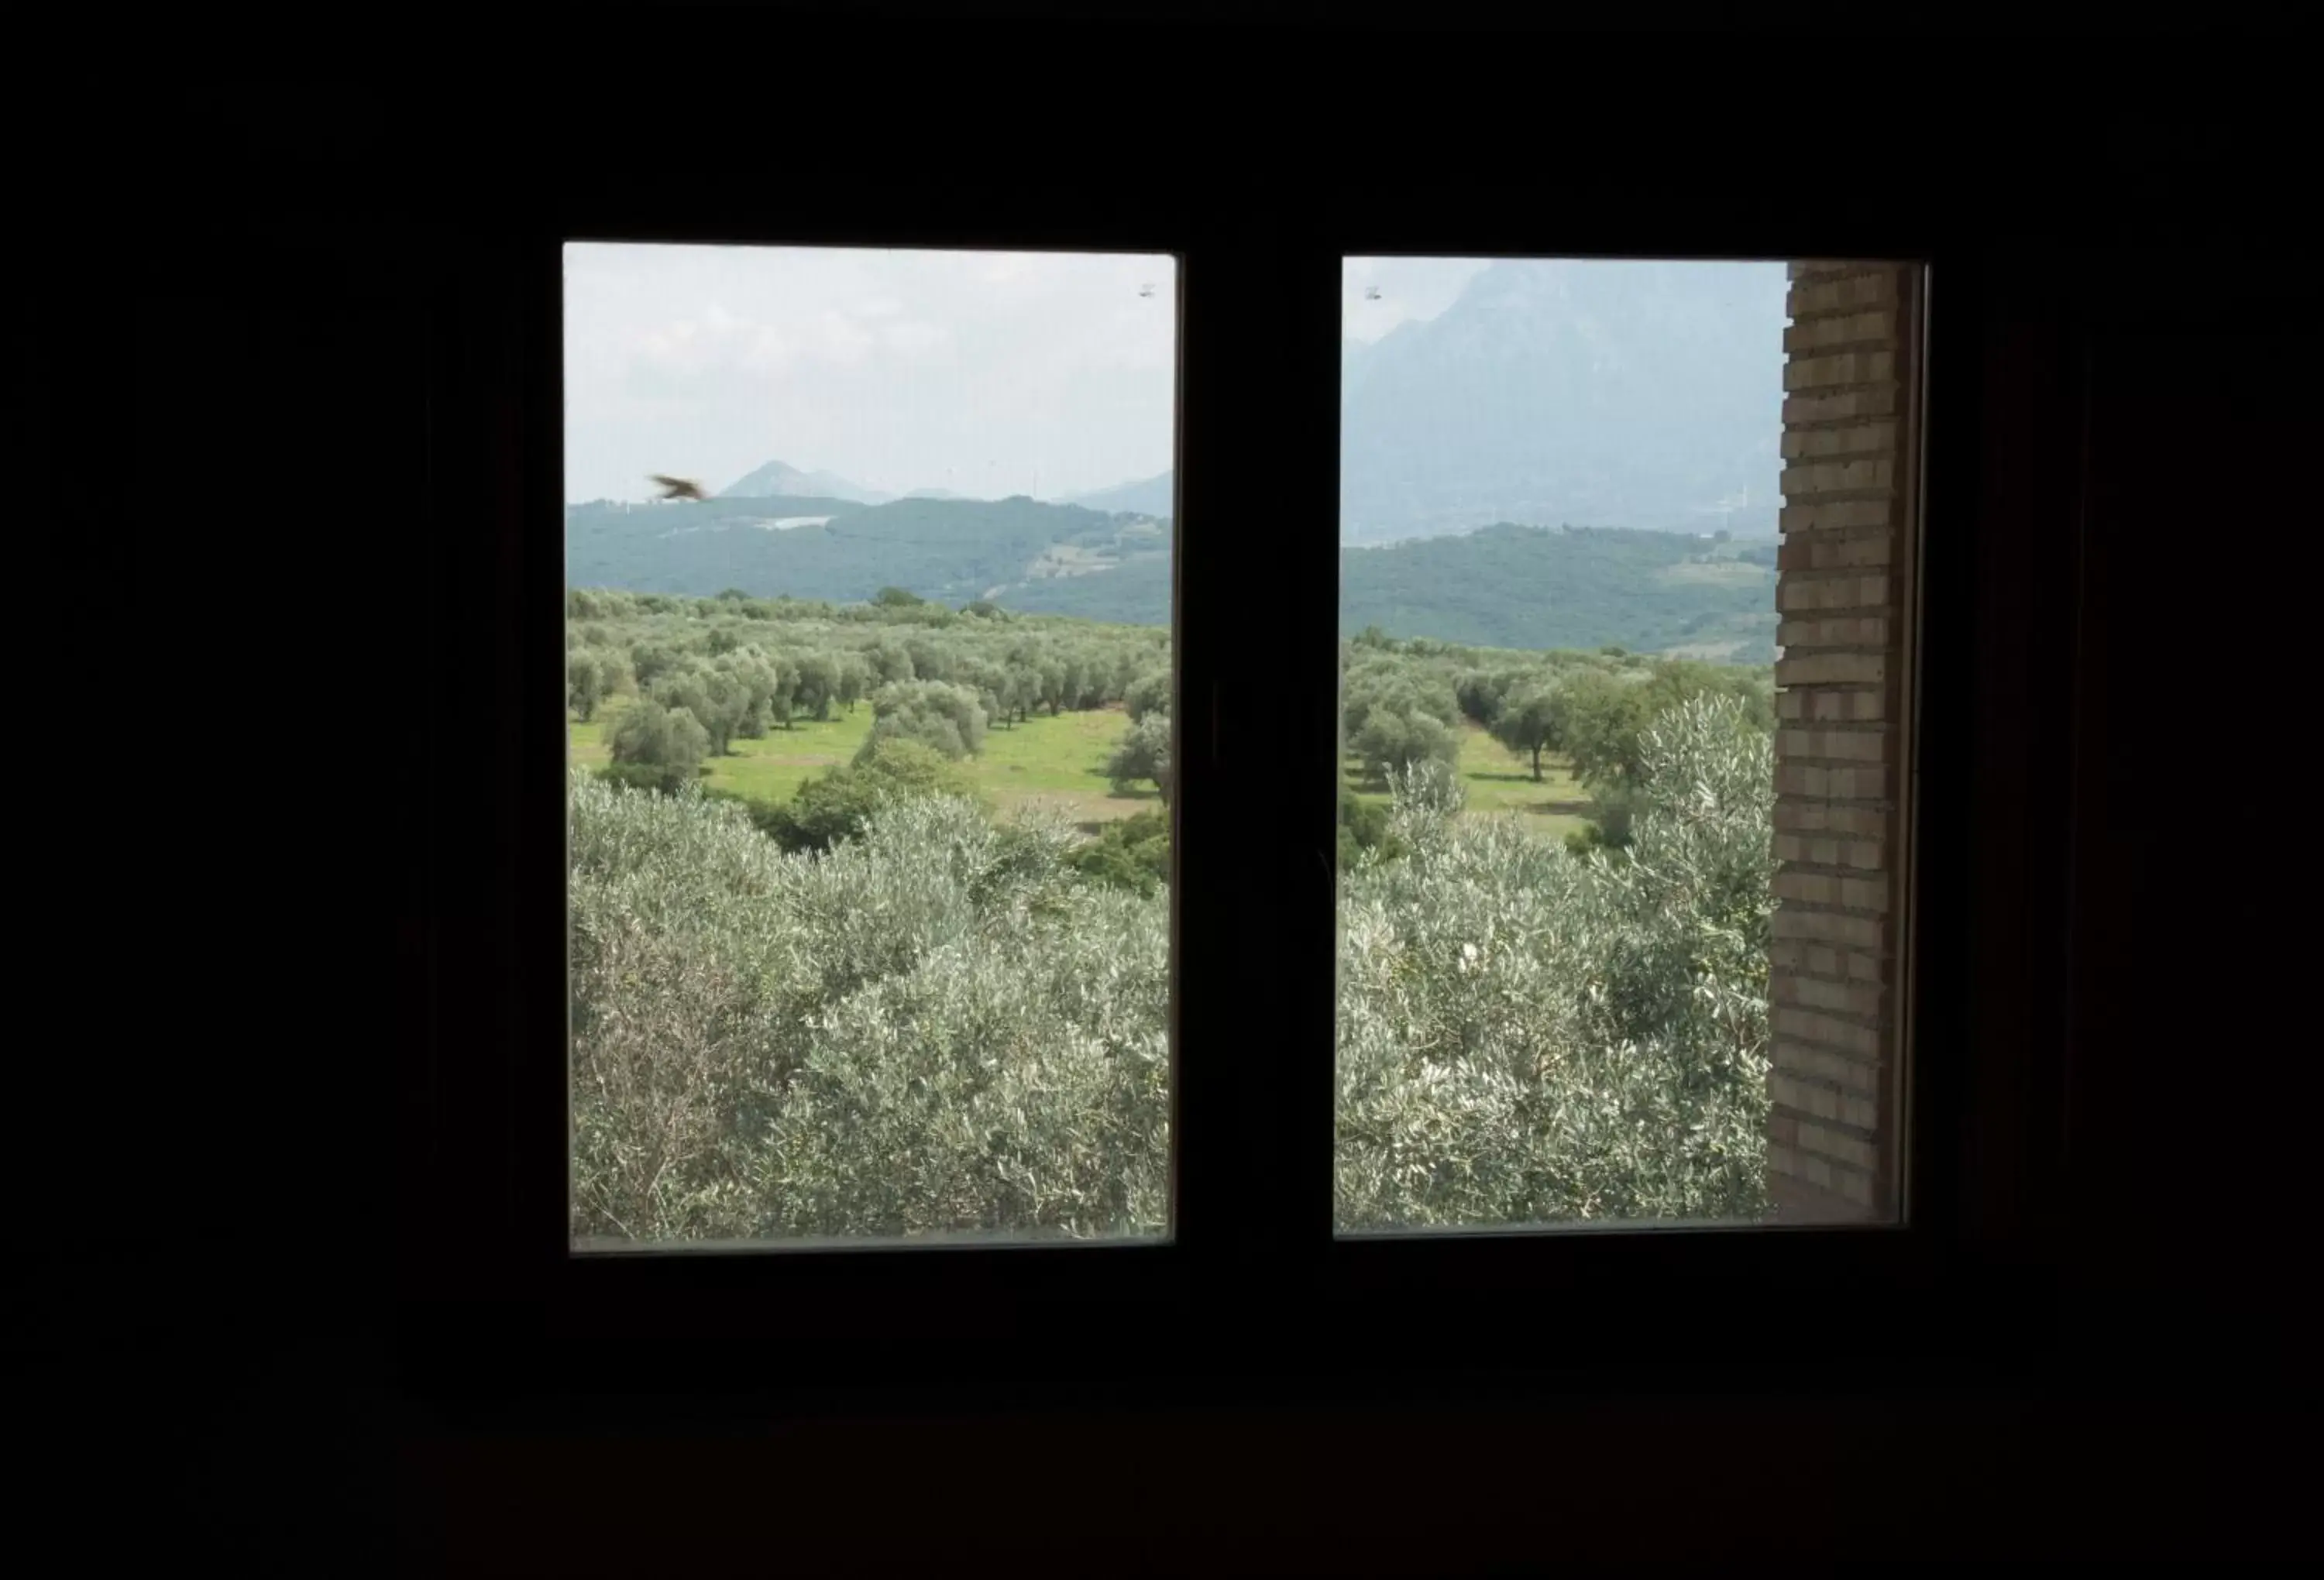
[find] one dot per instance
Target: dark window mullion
(1258, 612)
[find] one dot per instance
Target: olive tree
(668, 742)
(1143, 753)
(950, 718)
(1528, 720)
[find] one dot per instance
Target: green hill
(1580, 587)
(1502, 586)
(950, 550)
(1528, 587)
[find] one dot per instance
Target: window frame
(1252, 1277)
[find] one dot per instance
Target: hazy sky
(987, 374)
(1409, 287)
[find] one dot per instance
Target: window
(1627, 600)
(1558, 502)
(869, 690)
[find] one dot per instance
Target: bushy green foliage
(1142, 755)
(1528, 720)
(1132, 853)
(585, 681)
(1148, 694)
(1526, 1036)
(937, 1023)
(1364, 827)
(656, 777)
(1594, 709)
(933, 1026)
(1398, 713)
(651, 735)
(950, 718)
(839, 803)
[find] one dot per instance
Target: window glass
(869, 697)
(1559, 496)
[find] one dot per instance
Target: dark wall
(310, 288)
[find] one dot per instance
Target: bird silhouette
(679, 488)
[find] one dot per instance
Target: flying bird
(1371, 293)
(1145, 290)
(679, 488)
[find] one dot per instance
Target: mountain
(777, 478)
(1642, 395)
(1506, 586)
(1148, 496)
(1511, 586)
(950, 550)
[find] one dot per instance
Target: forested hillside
(1503, 586)
(1543, 587)
(950, 550)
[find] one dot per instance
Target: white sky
(987, 374)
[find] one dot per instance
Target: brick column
(1842, 593)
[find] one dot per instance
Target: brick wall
(1844, 600)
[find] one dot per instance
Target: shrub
(1528, 1037)
(651, 736)
(838, 803)
(1132, 853)
(938, 1025)
(1142, 755)
(950, 718)
(930, 1028)
(1364, 827)
(655, 777)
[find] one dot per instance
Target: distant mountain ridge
(954, 550)
(1148, 496)
(1642, 395)
(776, 477)
(1512, 586)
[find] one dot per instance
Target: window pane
(868, 698)
(1560, 490)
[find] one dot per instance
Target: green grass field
(1062, 760)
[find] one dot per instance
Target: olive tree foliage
(934, 1026)
(940, 1024)
(1395, 713)
(585, 681)
(1142, 755)
(1529, 1036)
(950, 718)
(661, 747)
(1148, 694)
(840, 803)
(1530, 720)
